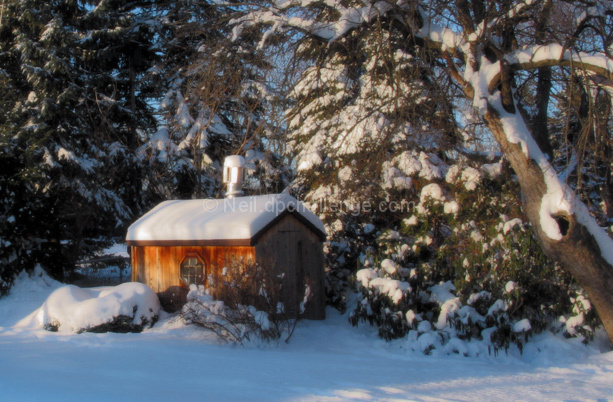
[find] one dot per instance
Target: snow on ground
(324, 361)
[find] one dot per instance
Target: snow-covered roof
(240, 218)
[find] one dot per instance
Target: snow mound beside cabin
(129, 307)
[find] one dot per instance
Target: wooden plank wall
(293, 249)
(160, 267)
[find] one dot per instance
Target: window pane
(192, 271)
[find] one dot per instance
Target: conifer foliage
(214, 104)
(69, 126)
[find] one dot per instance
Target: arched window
(192, 270)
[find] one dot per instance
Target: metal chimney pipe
(234, 175)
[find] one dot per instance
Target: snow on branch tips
(444, 36)
(278, 20)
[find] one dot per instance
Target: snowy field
(324, 361)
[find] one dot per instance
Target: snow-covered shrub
(245, 302)
(464, 265)
(390, 297)
(235, 325)
(348, 239)
(129, 307)
(583, 319)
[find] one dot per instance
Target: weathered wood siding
(160, 267)
(293, 249)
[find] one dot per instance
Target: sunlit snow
(324, 361)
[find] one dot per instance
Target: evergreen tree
(360, 103)
(215, 104)
(121, 50)
(70, 126)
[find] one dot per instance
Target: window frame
(193, 275)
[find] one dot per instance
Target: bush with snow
(245, 302)
(468, 273)
(129, 307)
(234, 325)
(464, 226)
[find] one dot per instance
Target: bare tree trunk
(607, 194)
(577, 251)
(604, 149)
(539, 123)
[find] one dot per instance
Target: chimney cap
(234, 161)
(234, 170)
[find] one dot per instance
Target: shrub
(129, 307)
(465, 266)
(246, 301)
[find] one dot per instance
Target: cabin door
(290, 261)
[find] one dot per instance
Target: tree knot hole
(563, 222)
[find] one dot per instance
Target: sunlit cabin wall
(160, 267)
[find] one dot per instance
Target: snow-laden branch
(559, 199)
(278, 20)
(532, 57)
(445, 37)
(485, 80)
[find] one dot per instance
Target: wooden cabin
(191, 241)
